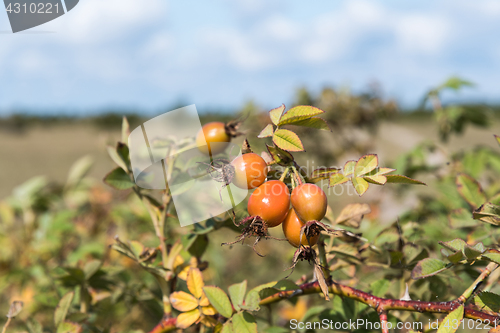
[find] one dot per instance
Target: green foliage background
(56, 237)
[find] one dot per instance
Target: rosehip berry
(309, 202)
(291, 228)
(270, 201)
(250, 171)
(214, 132)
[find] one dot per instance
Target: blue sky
(150, 54)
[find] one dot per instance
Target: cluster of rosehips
(270, 203)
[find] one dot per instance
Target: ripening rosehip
(291, 228)
(270, 201)
(250, 171)
(214, 132)
(309, 202)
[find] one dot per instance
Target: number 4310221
(33, 8)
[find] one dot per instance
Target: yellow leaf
(186, 319)
(360, 185)
(275, 114)
(195, 282)
(182, 301)
(296, 311)
(376, 179)
(204, 300)
(183, 274)
(208, 310)
(178, 262)
(349, 168)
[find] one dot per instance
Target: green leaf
(196, 244)
(69, 327)
(312, 312)
(347, 250)
(285, 285)
(322, 173)
(492, 255)
(79, 170)
(472, 253)
(62, 308)
(118, 179)
(252, 301)
(219, 300)
(237, 294)
(488, 301)
(337, 179)
(456, 257)
(360, 185)
(266, 132)
(287, 140)
(227, 327)
(125, 130)
(349, 168)
(365, 164)
(400, 179)
(34, 325)
(244, 322)
(112, 152)
(299, 113)
(461, 218)
(264, 286)
(91, 268)
(497, 138)
(380, 287)
(279, 155)
(313, 122)
(275, 114)
(470, 190)
(376, 179)
(428, 267)
(488, 213)
(452, 321)
(454, 245)
(456, 83)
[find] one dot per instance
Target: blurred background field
(32, 146)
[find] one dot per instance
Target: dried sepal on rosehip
(309, 254)
(256, 228)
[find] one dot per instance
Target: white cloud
(263, 45)
(422, 33)
(238, 48)
(100, 21)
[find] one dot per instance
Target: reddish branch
(384, 304)
(381, 305)
(165, 325)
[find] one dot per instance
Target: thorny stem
(468, 293)
(383, 321)
(381, 305)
